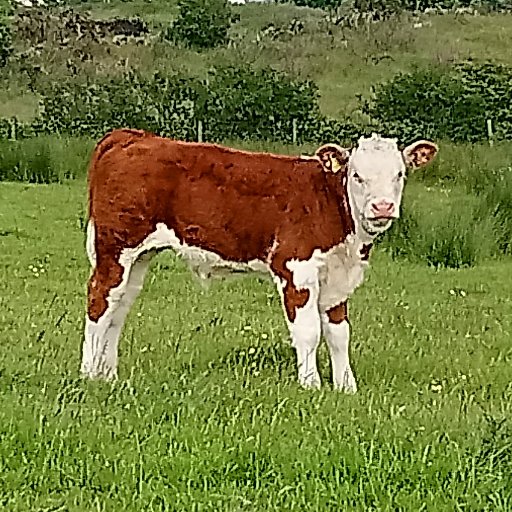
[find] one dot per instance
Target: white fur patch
(206, 264)
(90, 244)
(342, 273)
(305, 330)
(99, 353)
(305, 272)
(338, 337)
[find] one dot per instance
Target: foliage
(161, 104)
(43, 159)
(381, 8)
(63, 27)
(452, 103)
(320, 4)
(246, 103)
(6, 47)
(232, 103)
(202, 23)
(14, 129)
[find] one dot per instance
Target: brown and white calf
(308, 221)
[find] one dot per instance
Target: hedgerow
(232, 103)
(454, 104)
(6, 47)
(395, 6)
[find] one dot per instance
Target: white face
(376, 178)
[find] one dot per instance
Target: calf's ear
(419, 153)
(333, 158)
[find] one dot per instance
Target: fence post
(489, 132)
(294, 130)
(199, 131)
(13, 134)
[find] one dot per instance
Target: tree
(202, 23)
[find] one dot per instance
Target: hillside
(344, 62)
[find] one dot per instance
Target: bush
(161, 104)
(244, 103)
(201, 23)
(320, 4)
(441, 103)
(383, 7)
(14, 129)
(64, 27)
(6, 47)
(233, 103)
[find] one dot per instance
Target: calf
(308, 221)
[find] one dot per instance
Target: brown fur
(338, 314)
(233, 203)
(365, 251)
(422, 154)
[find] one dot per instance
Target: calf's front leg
(305, 332)
(336, 331)
(299, 290)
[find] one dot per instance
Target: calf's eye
(400, 175)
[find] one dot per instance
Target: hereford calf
(308, 221)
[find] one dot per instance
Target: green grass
(207, 414)
(44, 159)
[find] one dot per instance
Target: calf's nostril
(383, 208)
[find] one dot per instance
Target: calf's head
(376, 176)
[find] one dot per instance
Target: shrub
(6, 47)
(383, 7)
(64, 27)
(320, 4)
(452, 103)
(14, 129)
(244, 103)
(233, 103)
(161, 104)
(201, 23)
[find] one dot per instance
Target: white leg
(305, 332)
(300, 294)
(337, 336)
(99, 357)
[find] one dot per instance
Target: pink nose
(383, 209)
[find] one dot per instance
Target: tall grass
(456, 233)
(43, 159)
(458, 211)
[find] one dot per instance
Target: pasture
(207, 414)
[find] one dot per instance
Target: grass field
(207, 414)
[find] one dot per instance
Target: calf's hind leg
(113, 288)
